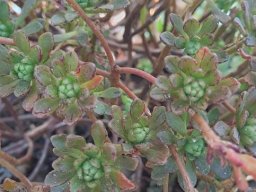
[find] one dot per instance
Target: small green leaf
(158, 94)
(22, 88)
(160, 171)
(167, 38)
(75, 141)
(58, 19)
(31, 97)
(209, 25)
(102, 108)
(72, 113)
(116, 124)
(28, 6)
(46, 43)
(4, 11)
(202, 165)
(191, 27)
(126, 162)
(110, 93)
(7, 85)
(178, 24)
(122, 181)
(213, 115)
(222, 129)
(137, 109)
(43, 75)
(217, 12)
(71, 61)
(58, 141)
(33, 27)
(45, 106)
(99, 133)
(166, 137)
(192, 175)
(22, 42)
(176, 123)
(221, 172)
(158, 117)
(55, 178)
(115, 5)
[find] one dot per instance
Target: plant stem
(126, 90)
(160, 60)
(15, 172)
(138, 72)
(166, 183)
(187, 182)
(93, 27)
(229, 107)
(6, 41)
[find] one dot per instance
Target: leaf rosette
(194, 82)
(140, 131)
(18, 64)
(83, 166)
(193, 34)
(66, 88)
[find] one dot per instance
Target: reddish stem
(96, 32)
(139, 73)
(6, 41)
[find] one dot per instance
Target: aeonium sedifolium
(194, 82)
(139, 131)
(17, 66)
(245, 118)
(194, 146)
(66, 88)
(6, 26)
(83, 166)
(193, 35)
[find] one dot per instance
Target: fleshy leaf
(137, 109)
(33, 27)
(206, 59)
(99, 133)
(160, 171)
(93, 83)
(55, 178)
(158, 117)
(177, 23)
(45, 107)
(58, 141)
(71, 61)
(177, 123)
(126, 162)
(43, 75)
(109, 93)
(116, 123)
(86, 71)
(191, 27)
(22, 88)
(72, 113)
(30, 98)
(122, 181)
(209, 25)
(4, 11)
(192, 175)
(46, 43)
(75, 141)
(22, 42)
(166, 137)
(167, 38)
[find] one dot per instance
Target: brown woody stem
(96, 32)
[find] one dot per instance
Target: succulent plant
(17, 66)
(195, 145)
(83, 166)
(193, 82)
(66, 86)
(248, 132)
(245, 118)
(139, 131)
(6, 26)
(193, 35)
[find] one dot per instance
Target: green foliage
(194, 82)
(83, 166)
(193, 35)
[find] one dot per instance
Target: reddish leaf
(122, 181)
(93, 83)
